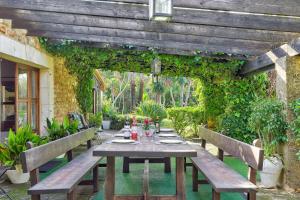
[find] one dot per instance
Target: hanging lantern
(156, 67)
(160, 10)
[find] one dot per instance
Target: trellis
(242, 29)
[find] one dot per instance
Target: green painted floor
(160, 183)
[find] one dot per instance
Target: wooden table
(145, 148)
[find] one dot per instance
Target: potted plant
(269, 122)
(108, 112)
(11, 150)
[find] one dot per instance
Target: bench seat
(66, 178)
(219, 175)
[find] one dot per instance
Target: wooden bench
(65, 179)
(219, 175)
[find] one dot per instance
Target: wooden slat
(39, 20)
(146, 180)
(220, 176)
(248, 153)
(34, 158)
(67, 177)
(266, 61)
(134, 11)
(216, 45)
(287, 7)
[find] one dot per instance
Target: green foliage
(118, 121)
(16, 144)
(295, 124)
(152, 110)
(57, 131)
(95, 119)
(238, 95)
(269, 122)
(183, 117)
(81, 62)
(108, 111)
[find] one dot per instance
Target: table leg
(180, 180)
(110, 178)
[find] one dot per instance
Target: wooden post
(221, 154)
(95, 179)
(203, 143)
(252, 178)
(180, 180)
(215, 195)
(110, 179)
(126, 161)
(89, 144)
(71, 195)
(146, 180)
(34, 175)
(195, 179)
(167, 162)
(69, 155)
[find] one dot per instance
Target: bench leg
(215, 195)
(184, 164)
(167, 165)
(195, 179)
(95, 179)
(126, 165)
(35, 197)
(71, 195)
(251, 195)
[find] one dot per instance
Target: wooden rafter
(140, 11)
(267, 60)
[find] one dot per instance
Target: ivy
(81, 62)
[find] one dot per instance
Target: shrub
(118, 121)
(57, 131)
(108, 110)
(182, 117)
(152, 110)
(16, 144)
(268, 121)
(95, 120)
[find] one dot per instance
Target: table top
(145, 147)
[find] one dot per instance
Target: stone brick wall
(18, 34)
(64, 95)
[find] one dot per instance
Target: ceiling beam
(287, 7)
(139, 11)
(266, 61)
(211, 45)
(42, 20)
(34, 28)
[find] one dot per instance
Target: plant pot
(271, 172)
(106, 124)
(17, 176)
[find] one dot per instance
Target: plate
(166, 135)
(166, 130)
(122, 141)
(119, 135)
(170, 141)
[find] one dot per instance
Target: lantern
(156, 67)
(160, 10)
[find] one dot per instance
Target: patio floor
(160, 183)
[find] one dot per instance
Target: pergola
(260, 31)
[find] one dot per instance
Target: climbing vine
(81, 61)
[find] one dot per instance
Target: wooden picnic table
(148, 148)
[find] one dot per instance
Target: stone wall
(287, 90)
(64, 95)
(18, 34)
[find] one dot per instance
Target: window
(28, 97)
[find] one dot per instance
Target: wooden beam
(152, 30)
(42, 19)
(287, 7)
(216, 45)
(140, 11)
(266, 61)
(37, 28)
